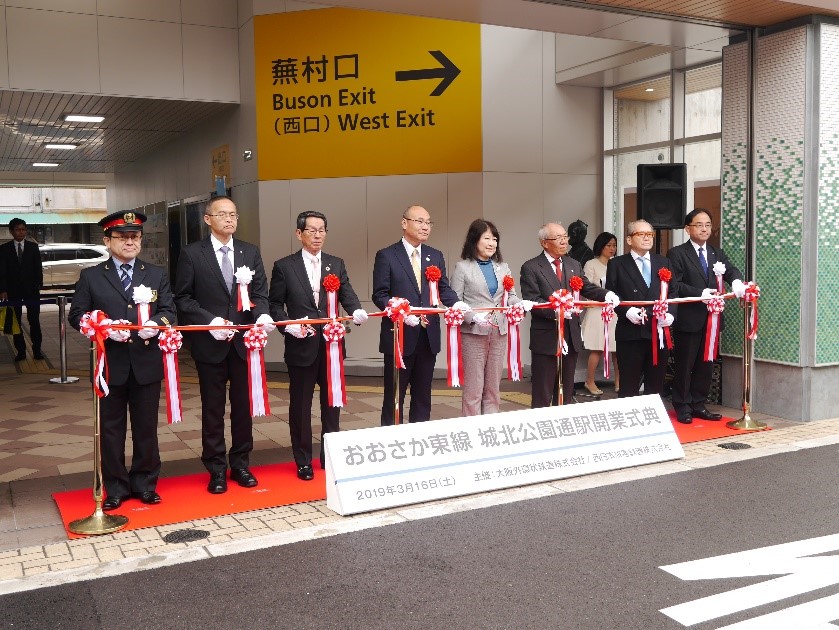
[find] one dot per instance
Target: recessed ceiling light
(68, 147)
(83, 118)
(650, 90)
(45, 164)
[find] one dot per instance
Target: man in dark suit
(634, 277)
(297, 292)
(21, 279)
(206, 293)
(135, 365)
(541, 276)
(693, 268)
(399, 271)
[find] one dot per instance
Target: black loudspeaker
(662, 194)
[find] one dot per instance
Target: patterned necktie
(703, 261)
(645, 269)
(126, 276)
(226, 268)
(558, 265)
(415, 263)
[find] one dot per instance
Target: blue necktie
(645, 270)
(125, 277)
(702, 261)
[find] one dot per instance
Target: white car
(63, 262)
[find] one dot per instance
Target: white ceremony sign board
(381, 467)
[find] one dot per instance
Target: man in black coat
(634, 277)
(21, 279)
(135, 364)
(693, 269)
(206, 293)
(297, 292)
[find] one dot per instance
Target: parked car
(63, 262)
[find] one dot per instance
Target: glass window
(89, 253)
(642, 113)
(703, 100)
(626, 186)
(64, 254)
(704, 160)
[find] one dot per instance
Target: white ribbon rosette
(244, 276)
(142, 297)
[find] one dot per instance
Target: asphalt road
(581, 560)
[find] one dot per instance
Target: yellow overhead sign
(343, 93)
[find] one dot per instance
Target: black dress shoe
(112, 503)
(38, 356)
(149, 497)
(705, 414)
(305, 473)
(684, 417)
(218, 483)
(243, 477)
(21, 356)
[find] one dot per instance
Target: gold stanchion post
(560, 340)
(396, 410)
(98, 522)
(746, 423)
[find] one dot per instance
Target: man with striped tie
(135, 365)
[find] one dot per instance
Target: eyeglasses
(701, 225)
(644, 234)
(225, 215)
(313, 231)
(564, 237)
(421, 222)
(126, 237)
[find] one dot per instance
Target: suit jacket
(290, 297)
(538, 282)
(687, 272)
(99, 288)
(624, 278)
(469, 282)
(21, 279)
(393, 276)
(201, 295)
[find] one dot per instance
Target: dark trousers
(692, 377)
(635, 359)
(302, 380)
(33, 316)
(212, 382)
(141, 403)
(544, 387)
(418, 373)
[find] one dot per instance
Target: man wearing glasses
(297, 292)
(634, 277)
(206, 293)
(551, 271)
(399, 271)
(135, 365)
(693, 269)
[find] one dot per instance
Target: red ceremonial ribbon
(396, 310)
(433, 275)
(752, 294)
(255, 340)
(170, 341)
(561, 301)
(95, 325)
(716, 305)
(515, 315)
(333, 333)
(660, 309)
(454, 318)
(576, 284)
(607, 314)
(508, 283)
(331, 283)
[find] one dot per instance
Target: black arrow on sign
(448, 72)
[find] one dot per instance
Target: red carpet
(186, 498)
(700, 430)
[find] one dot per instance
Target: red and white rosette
(96, 325)
(433, 275)
(562, 302)
(255, 340)
(661, 334)
(143, 297)
(515, 315)
(333, 333)
(508, 283)
(607, 314)
(752, 294)
(243, 276)
(716, 305)
(396, 310)
(576, 284)
(454, 318)
(331, 283)
(170, 341)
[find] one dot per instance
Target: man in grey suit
(540, 276)
(206, 293)
(297, 292)
(135, 365)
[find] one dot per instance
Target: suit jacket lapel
(402, 256)
(636, 275)
(111, 274)
(549, 271)
(299, 266)
(212, 262)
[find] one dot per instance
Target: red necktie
(558, 265)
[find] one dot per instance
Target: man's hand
(119, 335)
(707, 294)
(739, 288)
(359, 316)
(266, 322)
(412, 320)
(612, 298)
(221, 334)
(481, 319)
(667, 320)
(526, 305)
(462, 306)
(148, 333)
(633, 314)
(296, 330)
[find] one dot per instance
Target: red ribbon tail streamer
(560, 340)
(655, 340)
(101, 376)
(335, 380)
(712, 333)
(606, 370)
(455, 372)
(257, 384)
(398, 344)
(753, 322)
(172, 378)
(513, 353)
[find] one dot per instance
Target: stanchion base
(98, 523)
(63, 381)
(746, 423)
